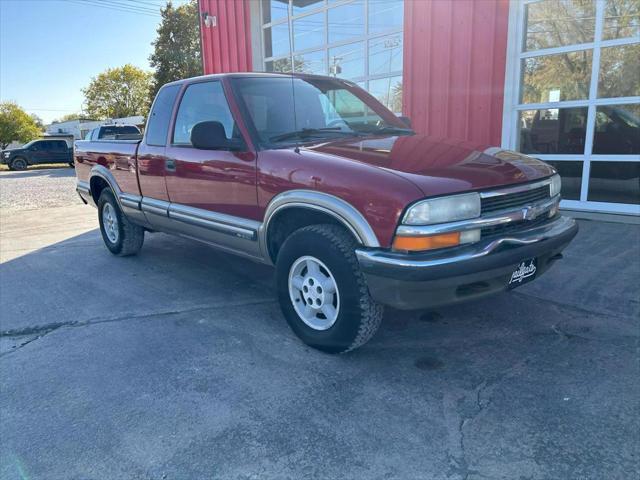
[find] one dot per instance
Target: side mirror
(406, 120)
(210, 135)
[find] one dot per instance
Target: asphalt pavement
(177, 364)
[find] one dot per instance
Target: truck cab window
(158, 125)
(203, 102)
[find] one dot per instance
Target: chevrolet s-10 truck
(315, 176)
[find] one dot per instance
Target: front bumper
(425, 280)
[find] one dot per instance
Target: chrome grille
(512, 201)
(513, 227)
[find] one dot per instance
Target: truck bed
(119, 156)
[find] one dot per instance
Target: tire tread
(371, 312)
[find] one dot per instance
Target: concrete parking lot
(177, 364)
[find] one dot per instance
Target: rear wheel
(120, 236)
(322, 292)
(19, 163)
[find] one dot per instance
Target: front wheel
(322, 292)
(120, 236)
(18, 164)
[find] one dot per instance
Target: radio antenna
(293, 87)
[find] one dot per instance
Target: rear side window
(127, 130)
(59, 146)
(158, 124)
(203, 102)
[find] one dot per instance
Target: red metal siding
(227, 46)
(454, 67)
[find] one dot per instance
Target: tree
(72, 116)
(38, 121)
(176, 52)
(118, 92)
(16, 125)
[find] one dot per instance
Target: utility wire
(129, 5)
(121, 6)
(111, 7)
(108, 7)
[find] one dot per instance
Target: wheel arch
(316, 206)
(101, 178)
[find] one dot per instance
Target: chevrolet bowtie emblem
(529, 213)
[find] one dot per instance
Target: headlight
(556, 185)
(445, 209)
(6, 154)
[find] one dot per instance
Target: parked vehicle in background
(114, 132)
(314, 175)
(37, 152)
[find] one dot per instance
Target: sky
(50, 49)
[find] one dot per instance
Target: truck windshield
(324, 108)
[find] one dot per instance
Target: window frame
(325, 47)
(145, 139)
(232, 110)
(512, 106)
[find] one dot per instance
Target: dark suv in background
(37, 152)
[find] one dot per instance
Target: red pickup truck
(313, 175)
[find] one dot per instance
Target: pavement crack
(41, 330)
(38, 332)
(35, 329)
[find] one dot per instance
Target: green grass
(42, 166)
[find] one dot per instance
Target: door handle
(170, 165)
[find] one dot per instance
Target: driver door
(213, 191)
(39, 152)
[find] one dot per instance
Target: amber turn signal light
(417, 244)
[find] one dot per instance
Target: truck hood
(439, 166)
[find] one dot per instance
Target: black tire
(19, 163)
(359, 316)
(130, 237)
(72, 165)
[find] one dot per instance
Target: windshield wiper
(388, 129)
(310, 132)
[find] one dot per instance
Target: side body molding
(237, 235)
(341, 210)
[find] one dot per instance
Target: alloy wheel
(314, 293)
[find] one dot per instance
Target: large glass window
(359, 40)
(619, 71)
(555, 23)
(621, 19)
(576, 97)
(308, 31)
(551, 78)
(346, 21)
(347, 61)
